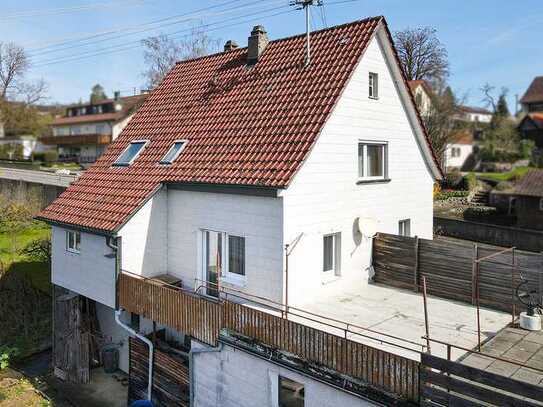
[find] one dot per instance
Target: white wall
(457, 161)
(232, 378)
(325, 197)
(144, 244)
(113, 333)
(258, 219)
(90, 272)
(119, 126)
(423, 100)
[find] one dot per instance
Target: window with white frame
(404, 227)
(130, 153)
(290, 393)
(73, 241)
(230, 267)
(331, 259)
(372, 160)
(373, 81)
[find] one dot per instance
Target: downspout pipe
(193, 352)
(114, 243)
(149, 344)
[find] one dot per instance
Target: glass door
(213, 260)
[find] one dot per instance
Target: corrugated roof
(245, 125)
(530, 184)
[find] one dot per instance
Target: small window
(331, 262)
(73, 241)
(130, 153)
(291, 393)
(236, 255)
(373, 85)
(173, 152)
(372, 160)
(404, 227)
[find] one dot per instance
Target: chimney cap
(258, 29)
(230, 45)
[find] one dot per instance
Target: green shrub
(450, 193)
(38, 250)
(480, 213)
(7, 354)
(50, 156)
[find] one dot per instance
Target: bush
(38, 250)
(480, 213)
(50, 156)
(450, 193)
(7, 354)
(453, 180)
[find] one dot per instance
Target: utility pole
(305, 4)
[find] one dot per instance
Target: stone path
(516, 344)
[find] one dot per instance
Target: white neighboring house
(474, 114)
(458, 150)
(227, 162)
(422, 92)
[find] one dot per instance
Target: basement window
(173, 152)
(73, 241)
(131, 152)
(291, 393)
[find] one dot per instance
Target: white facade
(423, 100)
(457, 154)
(233, 378)
(82, 129)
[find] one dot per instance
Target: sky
(74, 44)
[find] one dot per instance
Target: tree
(422, 55)
(97, 94)
(162, 52)
(502, 109)
(14, 64)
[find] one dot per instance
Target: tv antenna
(305, 4)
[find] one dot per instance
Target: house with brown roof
(253, 175)
(532, 100)
(458, 150)
(528, 200)
(84, 131)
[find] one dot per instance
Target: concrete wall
(144, 238)
(326, 198)
(258, 219)
(90, 273)
(232, 378)
(113, 333)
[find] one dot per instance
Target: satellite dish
(367, 226)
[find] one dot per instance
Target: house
(423, 95)
(83, 133)
(458, 150)
(246, 174)
(474, 114)
(532, 100)
(528, 200)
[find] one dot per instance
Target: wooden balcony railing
(203, 318)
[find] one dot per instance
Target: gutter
(193, 352)
(149, 344)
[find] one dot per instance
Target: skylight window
(130, 153)
(174, 152)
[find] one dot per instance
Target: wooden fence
(450, 270)
(203, 318)
(170, 376)
(446, 383)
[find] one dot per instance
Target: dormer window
(173, 152)
(130, 153)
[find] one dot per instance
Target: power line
(132, 27)
(127, 47)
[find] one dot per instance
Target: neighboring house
(532, 100)
(422, 91)
(474, 114)
(247, 172)
(458, 150)
(528, 200)
(83, 133)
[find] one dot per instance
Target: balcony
(81, 139)
(316, 340)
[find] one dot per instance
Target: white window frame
(373, 85)
(163, 162)
(225, 275)
(335, 271)
(77, 247)
(118, 164)
(402, 225)
(364, 176)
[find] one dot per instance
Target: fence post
(416, 266)
(474, 273)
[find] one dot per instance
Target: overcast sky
(498, 41)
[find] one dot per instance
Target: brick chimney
(230, 45)
(257, 43)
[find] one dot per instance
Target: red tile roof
(420, 82)
(534, 93)
(462, 137)
(251, 126)
(531, 184)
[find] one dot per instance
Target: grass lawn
(505, 176)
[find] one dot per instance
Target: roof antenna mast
(305, 4)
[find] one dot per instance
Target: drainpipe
(193, 352)
(114, 243)
(149, 344)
